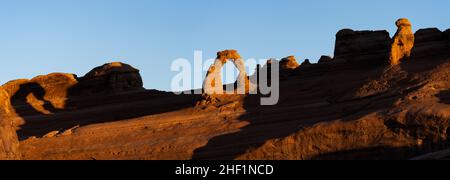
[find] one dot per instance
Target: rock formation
(339, 110)
(52, 88)
(306, 62)
(403, 42)
(213, 82)
(51, 92)
(289, 63)
(362, 46)
(111, 77)
(325, 59)
(447, 35)
(429, 42)
(9, 143)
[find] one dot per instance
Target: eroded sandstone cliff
(356, 105)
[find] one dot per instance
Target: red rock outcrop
(325, 59)
(362, 46)
(52, 88)
(306, 62)
(289, 63)
(333, 110)
(403, 42)
(9, 143)
(111, 77)
(429, 42)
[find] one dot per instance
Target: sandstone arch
(212, 84)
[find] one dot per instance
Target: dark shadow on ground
(444, 96)
(81, 110)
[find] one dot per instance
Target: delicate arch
(213, 81)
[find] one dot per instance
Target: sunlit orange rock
(9, 143)
(52, 88)
(213, 81)
(213, 86)
(403, 42)
(289, 63)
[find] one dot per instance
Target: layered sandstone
(325, 111)
(362, 46)
(111, 77)
(403, 42)
(430, 42)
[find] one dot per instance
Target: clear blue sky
(43, 36)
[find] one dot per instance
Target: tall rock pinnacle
(403, 41)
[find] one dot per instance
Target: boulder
(111, 77)
(362, 46)
(403, 42)
(289, 63)
(9, 143)
(325, 59)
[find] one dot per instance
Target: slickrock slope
(355, 106)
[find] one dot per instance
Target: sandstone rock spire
(403, 41)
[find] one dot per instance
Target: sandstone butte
(377, 98)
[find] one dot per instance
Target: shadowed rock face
(447, 35)
(111, 77)
(362, 46)
(306, 62)
(403, 41)
(325, 59)
(9, 142)
(429, 42)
